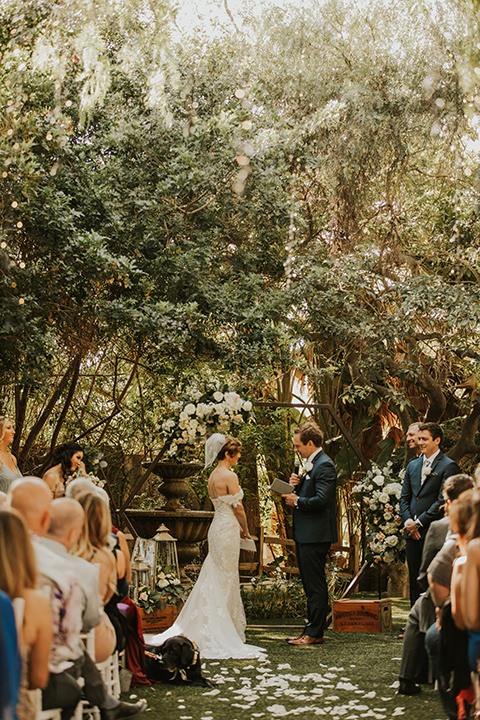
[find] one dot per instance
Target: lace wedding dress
(213, 615)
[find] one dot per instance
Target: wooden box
(362, 615)
(158, 620)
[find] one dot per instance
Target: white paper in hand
(281, 487)
(247, 545)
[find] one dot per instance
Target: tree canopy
(297, 198)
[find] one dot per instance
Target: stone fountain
(189, 527)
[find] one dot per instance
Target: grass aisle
(349, 677)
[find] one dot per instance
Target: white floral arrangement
(201, 413)
(380, 492)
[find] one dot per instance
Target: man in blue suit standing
(421, 500)
(314, 526)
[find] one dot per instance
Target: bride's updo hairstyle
(232, 447)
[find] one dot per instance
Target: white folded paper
(247, 545)
(281, 487)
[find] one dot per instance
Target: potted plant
(160, 607)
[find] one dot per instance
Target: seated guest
(66, 525)
(10, 661)
(66, 459)
(93, 545)
(83, 486)
(466, 590)
(32, 499)
(422, 614)
(18, 579)
(439, 579)
(69, 658)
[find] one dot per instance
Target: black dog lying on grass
(176, 661)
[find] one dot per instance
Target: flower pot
(159, 620)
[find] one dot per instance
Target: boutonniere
(427, 471)
(307, 467)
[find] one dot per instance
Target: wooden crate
(362, 615)
(158, 620)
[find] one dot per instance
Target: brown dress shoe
(302, 634)
(307, 640)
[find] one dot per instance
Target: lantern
(141, 576)
(166, 557)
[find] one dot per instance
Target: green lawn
(349, 677)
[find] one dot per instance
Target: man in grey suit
(421, 499)
(314, 526)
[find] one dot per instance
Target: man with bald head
(61, 521)
(66, 523)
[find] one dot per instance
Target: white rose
(218, 396)
(143, 596)
(162, 583)
(247, 405)
(392, 540)
(161, 576)
(183, 416)
(384, 498)
(190, 409)
(175, 581)
(378, 479)
(388, 516)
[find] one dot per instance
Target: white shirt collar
(314, 454)
(431, 458)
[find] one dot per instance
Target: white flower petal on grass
(258, 714)
(394, 685)
(215, 691)
(345, 686)
(371, 694)
(330, 676)
(277, 710)
(282, 666)
(398, 711)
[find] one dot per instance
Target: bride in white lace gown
(213, 615)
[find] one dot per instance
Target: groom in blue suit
(421, 500)
(314, 526)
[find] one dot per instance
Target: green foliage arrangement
(168, 591)
(282, 597)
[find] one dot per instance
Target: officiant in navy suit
(421, 500)
(314, 526)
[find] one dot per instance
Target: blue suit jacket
(423, 502)
(315, 517)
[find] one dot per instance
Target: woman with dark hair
(66, 459)
(213, 615)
